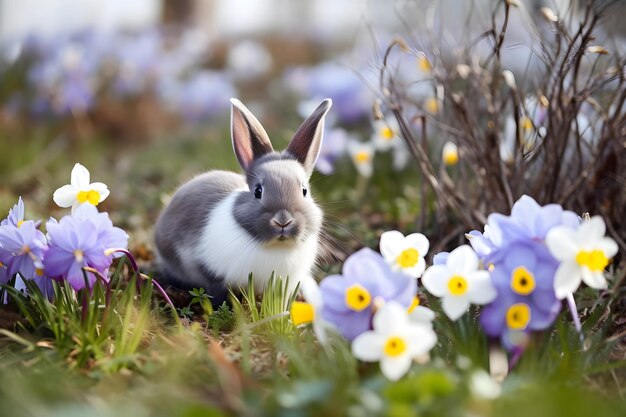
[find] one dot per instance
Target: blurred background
(137, 91)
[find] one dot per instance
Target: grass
(128, 356)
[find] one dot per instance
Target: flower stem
(135, 268)
(571, 303)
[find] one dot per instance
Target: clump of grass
(271, 312)
(103, 327)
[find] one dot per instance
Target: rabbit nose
(282, 219)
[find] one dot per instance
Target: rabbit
(222, 226)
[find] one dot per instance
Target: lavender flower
(349, 299)
(78, 241)
(528, 222)
(22, 249)
(16, 214)
(524, 282)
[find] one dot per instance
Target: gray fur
(282, 200)
(183, 218)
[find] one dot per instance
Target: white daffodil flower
(308, 311)
(459, 282)
(584, 254)
(450, 154)
(385, 134)
(362, 155)
(395, 341)
(80, 190)
(405, 254)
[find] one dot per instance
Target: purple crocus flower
(78, 241)
(349, 298)
(526, 300)
(22, 249)
(522, 268)
(528, 221)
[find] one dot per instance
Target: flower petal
(390, 316)
(65, 196)
(455, 307)
(391, 244)
(462, 260)
(368, 346)
(421, 339)
(594, 228)
(435, 280)
(595, 279)
(561, 242)
(80, 177)
(396, 367)
(311, 291)
(608, 246)
(566, 279)
(481, 290)
(422, 315)
(419, 242)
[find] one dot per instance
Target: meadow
(450, 164)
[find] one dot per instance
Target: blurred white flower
(450, 154)
(362, 155)
(80, 190)
(385, 134)
(248, 60)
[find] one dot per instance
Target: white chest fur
(230, 251)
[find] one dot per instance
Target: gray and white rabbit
(221, 226)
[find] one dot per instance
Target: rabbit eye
(304, 191)
(258, 191)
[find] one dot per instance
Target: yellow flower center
(20, 223)
(39, 272)
(387, 133)
(526, 124)
(25, 249)
(302, 313)
(362, 157)
(522, 281)
(518, 316)
(78, 255)
(457, 285)
(595, 260)
(424, 64)
(358, 297)
(91, 196)
(408, 258)
(414, 304)
(450, 157)
(431, 105)
(394, 346)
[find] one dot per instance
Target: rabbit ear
(307, 141)
(250, 140)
